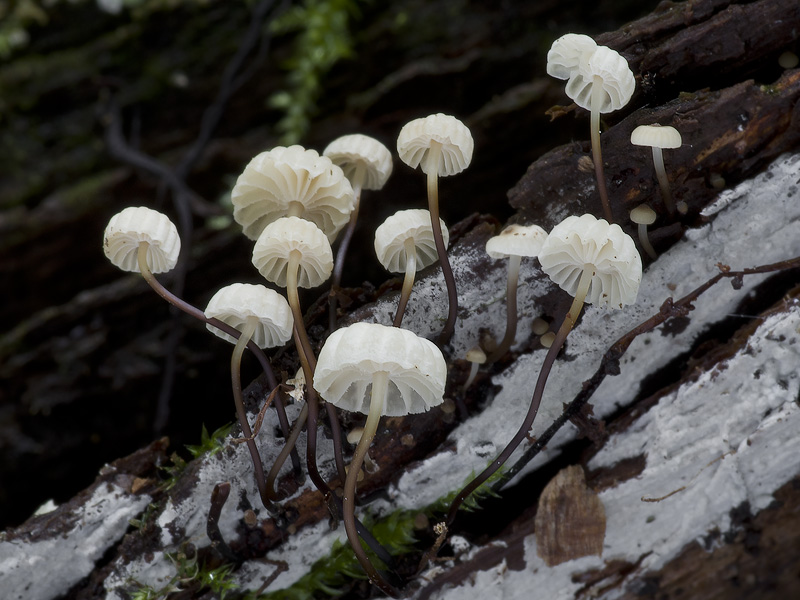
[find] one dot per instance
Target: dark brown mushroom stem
(569, 322)
(309, 362)
(289, 445)
(233, 332)
(380, 384)
(434, 155)
(341, 253)
(291, 441)
(241, 414)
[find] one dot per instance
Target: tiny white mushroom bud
(643, 216)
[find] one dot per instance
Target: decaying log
(748, 117)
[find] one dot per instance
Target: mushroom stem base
(241, 414)
(380, 386)
(536, 400)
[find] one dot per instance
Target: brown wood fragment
(571, 520)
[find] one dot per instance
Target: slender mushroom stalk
(643, 216)
(514, 242)
(441, 146)
(367, 164)
(596, 263)
(404, 373)
(405, 243)
(143, 240)
(295, 182)
(291, 253)
(260, 314)
(658, 138)
(600, 81)
(476, 357)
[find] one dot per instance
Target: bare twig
(609, 364)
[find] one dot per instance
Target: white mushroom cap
(517, 240)
(643, 215)
(136, 224)
(391, 235)
(279, 239)
(234, 303)
(567, 52)
(476, 355)
(656, 136)
(617, 80)
(351, 355)
(415, 140)
(274, 179)
(350, 151)
(578, 242)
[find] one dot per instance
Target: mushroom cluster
(593, 261)
(441, 146)
(293, 203)
(598, 80)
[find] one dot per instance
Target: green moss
(192, 577)
(211, 444)
(323, 39)
(395, 532)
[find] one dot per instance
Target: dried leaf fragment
(570, 520)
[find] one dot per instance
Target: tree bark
(80, 337)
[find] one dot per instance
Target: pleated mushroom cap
(414, 142)
(279, 239)
(136, 224)
(416, 369)
(615, 77)
(567, 53)
(273, 180)
(234, 303)
(586, 241)
(351, 151)
(517, 240)
(391, 235)
(656, 136)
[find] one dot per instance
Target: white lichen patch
(726, 440)
(185, 519)
(762, 227)
(156, 572)
(298, 554)
(38, 571)
(481, 292)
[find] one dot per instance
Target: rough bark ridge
(709, 68)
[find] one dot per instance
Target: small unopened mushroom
(377, 370)
(514, 242)
(476, 357)
(658, 138)
(441, 146)
(788, 60)
(593, 261)
(600, 81)
(404, 243)
(367, 164)
(263, 315)
(292, 182)
(643, 216)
